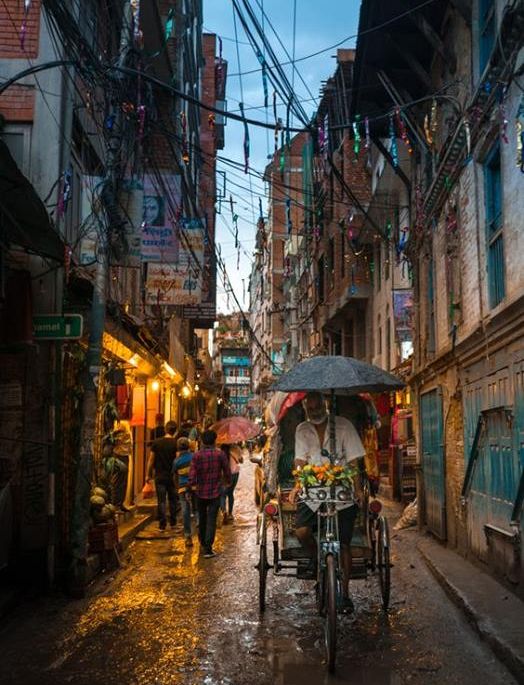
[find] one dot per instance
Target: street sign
(58, 327)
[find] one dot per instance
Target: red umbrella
(290, 401)
(235, 429)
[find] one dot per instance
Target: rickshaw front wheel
(384, 562)
(331, 611)
(262, 566)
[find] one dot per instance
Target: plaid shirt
(209, 471)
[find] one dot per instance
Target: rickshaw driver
(312, 447)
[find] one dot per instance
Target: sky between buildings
(318, 26)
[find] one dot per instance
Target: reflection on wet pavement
(171, 617)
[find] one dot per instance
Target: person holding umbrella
(234, 453)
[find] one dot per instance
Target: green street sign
(58, 327)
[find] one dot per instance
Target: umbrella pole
(332, 428)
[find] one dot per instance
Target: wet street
(172, 617)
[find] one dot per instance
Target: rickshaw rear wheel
(263, 567)
(384, 562)
(331, 611)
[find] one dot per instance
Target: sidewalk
(495, 612)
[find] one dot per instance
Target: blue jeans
(165, 488)
(186, 515)
(229, 494)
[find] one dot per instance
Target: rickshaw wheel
(384, 565)
(263, 567)
(372, 524)
(331, 611)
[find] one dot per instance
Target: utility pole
(81, 505)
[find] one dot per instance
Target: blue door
(433, 467)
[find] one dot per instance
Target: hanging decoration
(135, 13)
(185, 146)
(427, 131)
(467, 131)
(220, 68)
(289, 223)
(520, 145)
(388, 229)
(287, 267)
(246, 138)
(282, 162)
(65, 192)
(393, 141)
(243, 291)
(316, 233)
(356, 135)
(23, 27)
(353, 286)
(419, 210)
(367, 144)
(403, 130)
(263, 65)
(170, 24)
(502, 114)
(434, 119)
(141, 111)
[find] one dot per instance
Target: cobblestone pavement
(172, 617)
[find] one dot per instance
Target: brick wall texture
(11, 19)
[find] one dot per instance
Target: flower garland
(310, 476)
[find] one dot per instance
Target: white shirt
(307, 444)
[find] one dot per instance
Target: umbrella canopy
(344, 375)
(234, 429)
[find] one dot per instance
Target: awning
(24, 219)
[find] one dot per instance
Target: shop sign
(238, 380)
(58, 326)
(235, 361)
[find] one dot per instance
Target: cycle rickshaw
(279, 550)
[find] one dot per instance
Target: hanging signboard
(166, 284)
(161, 200)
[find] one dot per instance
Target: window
(379, 335)
(487, 28)
(494, 232)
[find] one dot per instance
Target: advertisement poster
(403, 316)
(159, 239)
(168, 284)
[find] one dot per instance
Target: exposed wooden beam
(434, 39)
(413, 63)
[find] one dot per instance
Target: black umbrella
(337, 376)
(343, 375)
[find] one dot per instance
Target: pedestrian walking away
(181, 467)
(227, 500)
(160, 463)
(209, 471)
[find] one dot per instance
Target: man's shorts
(307, 518)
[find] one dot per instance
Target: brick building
(57, 144)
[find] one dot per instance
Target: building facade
(462, 247)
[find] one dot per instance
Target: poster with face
(159, 238)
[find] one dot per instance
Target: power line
(350, 37)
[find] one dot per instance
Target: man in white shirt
(312, 447)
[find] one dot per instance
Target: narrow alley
(170, 617)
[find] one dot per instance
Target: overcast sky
(318, 26)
